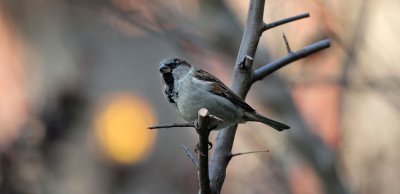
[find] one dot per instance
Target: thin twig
(202, 128)
(171, 126)
(286, 43)
(191, 156)
(266, 70)
(244, 153)
(284, 21)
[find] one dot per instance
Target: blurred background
(79, 85)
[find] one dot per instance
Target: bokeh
(79, 85)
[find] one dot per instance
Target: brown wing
(220, 89)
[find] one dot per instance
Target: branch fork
(244, 77)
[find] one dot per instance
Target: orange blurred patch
(121, 128)
(303, 180)
(319, 105)
(14, 106)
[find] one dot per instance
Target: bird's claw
(196, 126)
(197, 148)
(212, 128)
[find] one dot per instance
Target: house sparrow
(189, 89)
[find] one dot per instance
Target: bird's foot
(212, 128)
(197, 149)
(210, 145)
(196, 126)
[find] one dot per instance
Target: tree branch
(266, 70)
(202, 128)
(284, 21)
(242, 80)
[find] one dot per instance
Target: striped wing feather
(220, 89)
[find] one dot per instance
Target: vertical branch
(202, 128)
(242, 79)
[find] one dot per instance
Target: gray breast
(193, 96)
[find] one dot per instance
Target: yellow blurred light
(121, 128)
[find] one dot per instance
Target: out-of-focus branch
(266, 70)
(191, 156)
(202, 128)
(310, 146)
(284, 21)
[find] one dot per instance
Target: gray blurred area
(76, 57)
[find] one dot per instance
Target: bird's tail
(274, 124)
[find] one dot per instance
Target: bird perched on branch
(189, 89)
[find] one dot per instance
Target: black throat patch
(169, 80)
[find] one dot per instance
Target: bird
(189, 88)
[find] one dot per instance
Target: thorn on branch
(244, 153)
(286, 44)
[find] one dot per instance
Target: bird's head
(174, 67)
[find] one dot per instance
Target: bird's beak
(164, 68)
